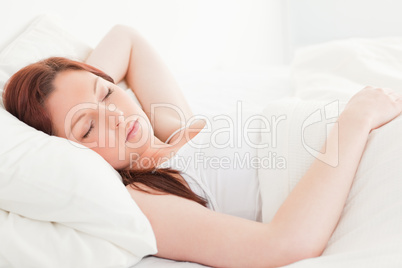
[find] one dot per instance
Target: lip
(132, 129)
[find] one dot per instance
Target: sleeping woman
(208, 214)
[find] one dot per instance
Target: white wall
(314, 21)
(194, 35)
(191, 35)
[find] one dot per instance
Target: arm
(187, 231)
(313, 208)
(124, 54)
(315, 204)
(301, 228)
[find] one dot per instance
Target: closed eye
(109, 92)
(89, 131)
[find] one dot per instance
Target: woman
(81, 103)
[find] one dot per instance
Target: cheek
(111, 140)
(112, 147)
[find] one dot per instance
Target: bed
(310, 83)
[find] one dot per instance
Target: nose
(114, 116)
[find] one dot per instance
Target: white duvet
(369, 233)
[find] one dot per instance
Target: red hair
(30, 87)
(26, 92)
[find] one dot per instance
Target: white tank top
(218, 165)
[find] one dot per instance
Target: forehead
(72, 90)
(72, 80)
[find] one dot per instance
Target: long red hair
(24, 97)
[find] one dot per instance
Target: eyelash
(89, 131)
(110, 91)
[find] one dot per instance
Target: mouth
(132, 130)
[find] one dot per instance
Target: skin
(185, 230)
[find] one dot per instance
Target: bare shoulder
(152, 202)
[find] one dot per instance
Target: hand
(377, 106)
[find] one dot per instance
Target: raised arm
(301, 228)
(124, 54)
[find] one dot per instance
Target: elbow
(290, 251)
(290, 245)
(302, 254)
(291, 256)
(122, 29)
(301, 251)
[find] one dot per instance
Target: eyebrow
(82, 115)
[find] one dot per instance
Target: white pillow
(32, 243)
(370, 229)
(43, 38)
(67, 193)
